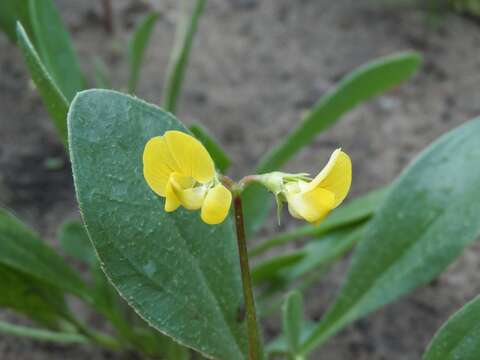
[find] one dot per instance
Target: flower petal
(216, 205)
(157, 164)
(336, 176)
(190, 197)
(171, 200)
(312, 205)
(191, 156)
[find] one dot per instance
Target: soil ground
(256, 66)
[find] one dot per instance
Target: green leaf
(55, 47)
(459, 337)
(279, 346)
(137, 46)
(357, 210)
(75, 242)
(292, 319)
(269, 268)
(53, 99)
(357, 87)
(23, 251)
(181, 275)
(325, 250)
(25, 294)
(184, 35)
(428, 217)
(221, 159)
(12, 11)
(42, 334)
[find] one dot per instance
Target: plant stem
(42, 334)
(254, 349)
(99, 338)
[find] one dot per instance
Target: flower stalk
(254, 348)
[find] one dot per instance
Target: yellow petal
(190, 197)
(157, 164)
(312, 205)
(216, 205)
(191, 156)
(336, 176)
(171, 201)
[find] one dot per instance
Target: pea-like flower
(177, 167)
(312, 199)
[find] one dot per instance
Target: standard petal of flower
(157, 164)
(216, 205)
(191, 156)
(312, 205)
(336, 176)
(171, 201)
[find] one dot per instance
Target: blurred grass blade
(30, 296)
(42, 334)
(459, 337)
(55, 47)
(137, 46)
(357, 87)
(357, 210)
(319, 255)
(22, 250)
(12, 11)
(53, 99)
(221, 159)
(429, 215)
(325, 250)
(267, 269)
(102, 75)
(75, 242)
(185, 32)
(292, 319)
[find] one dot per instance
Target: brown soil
(256, 66)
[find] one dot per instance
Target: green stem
(42, 334)
(99, 338)
(254, 348)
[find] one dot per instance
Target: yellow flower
(312, 200)
(177, 167)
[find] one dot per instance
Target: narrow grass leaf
(12, 11)
(184, 35)
(55, 47)
(137, 47)
(459, 337)
(23, 251)
(53, 99)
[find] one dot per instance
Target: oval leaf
(428, 217)
(181, 275)
(459, 337)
